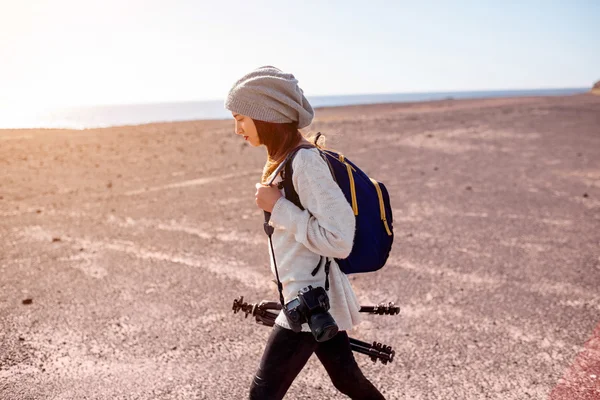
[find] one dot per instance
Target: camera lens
(322, 326)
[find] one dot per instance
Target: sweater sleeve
(326, 225)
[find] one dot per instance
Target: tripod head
(264, 312)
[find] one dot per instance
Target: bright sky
(89, 52)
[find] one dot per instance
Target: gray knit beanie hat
(271, 95)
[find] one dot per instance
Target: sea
(136, 114)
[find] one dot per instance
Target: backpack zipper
(353, 192)
(352, 187)
(381, 206)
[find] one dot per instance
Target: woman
(269, 107)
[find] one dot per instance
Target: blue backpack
(371, 205)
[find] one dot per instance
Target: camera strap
(327, 264)
(269, 232)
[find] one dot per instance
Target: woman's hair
(279, 139)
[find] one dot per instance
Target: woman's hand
(267, 196)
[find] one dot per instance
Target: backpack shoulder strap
(288, 185)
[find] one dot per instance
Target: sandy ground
(132, 243)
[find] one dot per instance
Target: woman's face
(244, 126)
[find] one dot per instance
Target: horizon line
(324, 95)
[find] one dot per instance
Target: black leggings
(286, 354)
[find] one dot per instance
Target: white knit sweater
(325, 227)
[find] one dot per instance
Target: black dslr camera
(311, 306)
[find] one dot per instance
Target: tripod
(265, 313)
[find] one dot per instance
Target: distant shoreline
(82, 118)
